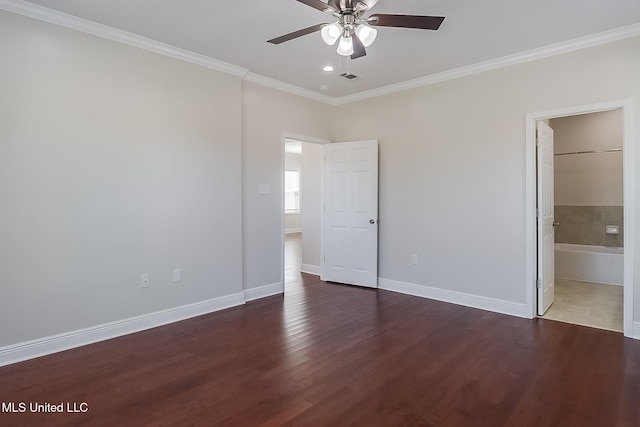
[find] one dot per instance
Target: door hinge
(539, 284)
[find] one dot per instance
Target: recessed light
(328, 68)
(324, 88)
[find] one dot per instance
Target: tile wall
(585, 225)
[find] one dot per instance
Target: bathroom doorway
(591, 216)
(588, 219)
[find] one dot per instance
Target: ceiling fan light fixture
(353, 31)
(331, 33)
(345, 46)
(366, 34)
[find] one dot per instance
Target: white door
(350, 227)
(546, 240)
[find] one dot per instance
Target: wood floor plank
(328, 354)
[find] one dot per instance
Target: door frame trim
(302, 138)
(629, 209)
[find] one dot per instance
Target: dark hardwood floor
(328, 354)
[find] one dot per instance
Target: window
(292, 191)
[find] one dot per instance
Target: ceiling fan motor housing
(348, 21)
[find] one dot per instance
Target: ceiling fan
(354, 32)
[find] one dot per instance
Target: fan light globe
(366, 34)
(330, 33)
(345, 46)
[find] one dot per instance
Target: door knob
(372, 221)
(556, 224)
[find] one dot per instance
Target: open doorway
(302, 208)
(588, 220)
(292, 212)
(592, 212)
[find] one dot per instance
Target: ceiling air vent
(349, 76)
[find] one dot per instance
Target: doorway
(589, 222)
(337, 189)
(574, 207)
(302, 162)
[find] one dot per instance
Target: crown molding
(84, 25)
(80, 24)
(286, 87)
(494, 64)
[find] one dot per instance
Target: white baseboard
(263, 291)
(310, 269)
(635, 331)
(55, 343)
(468, 300)
(293, 230)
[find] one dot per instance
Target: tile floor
(588, 304)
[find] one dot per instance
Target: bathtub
(599, 264)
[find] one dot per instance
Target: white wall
(452, 166)
(312, 165)
(293, 221)
(268, 114)
(113, 162)
(588, 179)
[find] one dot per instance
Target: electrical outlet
(177, 275)
(144, 281)
(414, 259)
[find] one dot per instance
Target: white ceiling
(235, 31)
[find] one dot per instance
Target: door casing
(629, 208)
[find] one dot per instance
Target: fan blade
(296, 34)
(358, 47)
(407, 21)
(317, 4)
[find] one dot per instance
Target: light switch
(264, 189)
